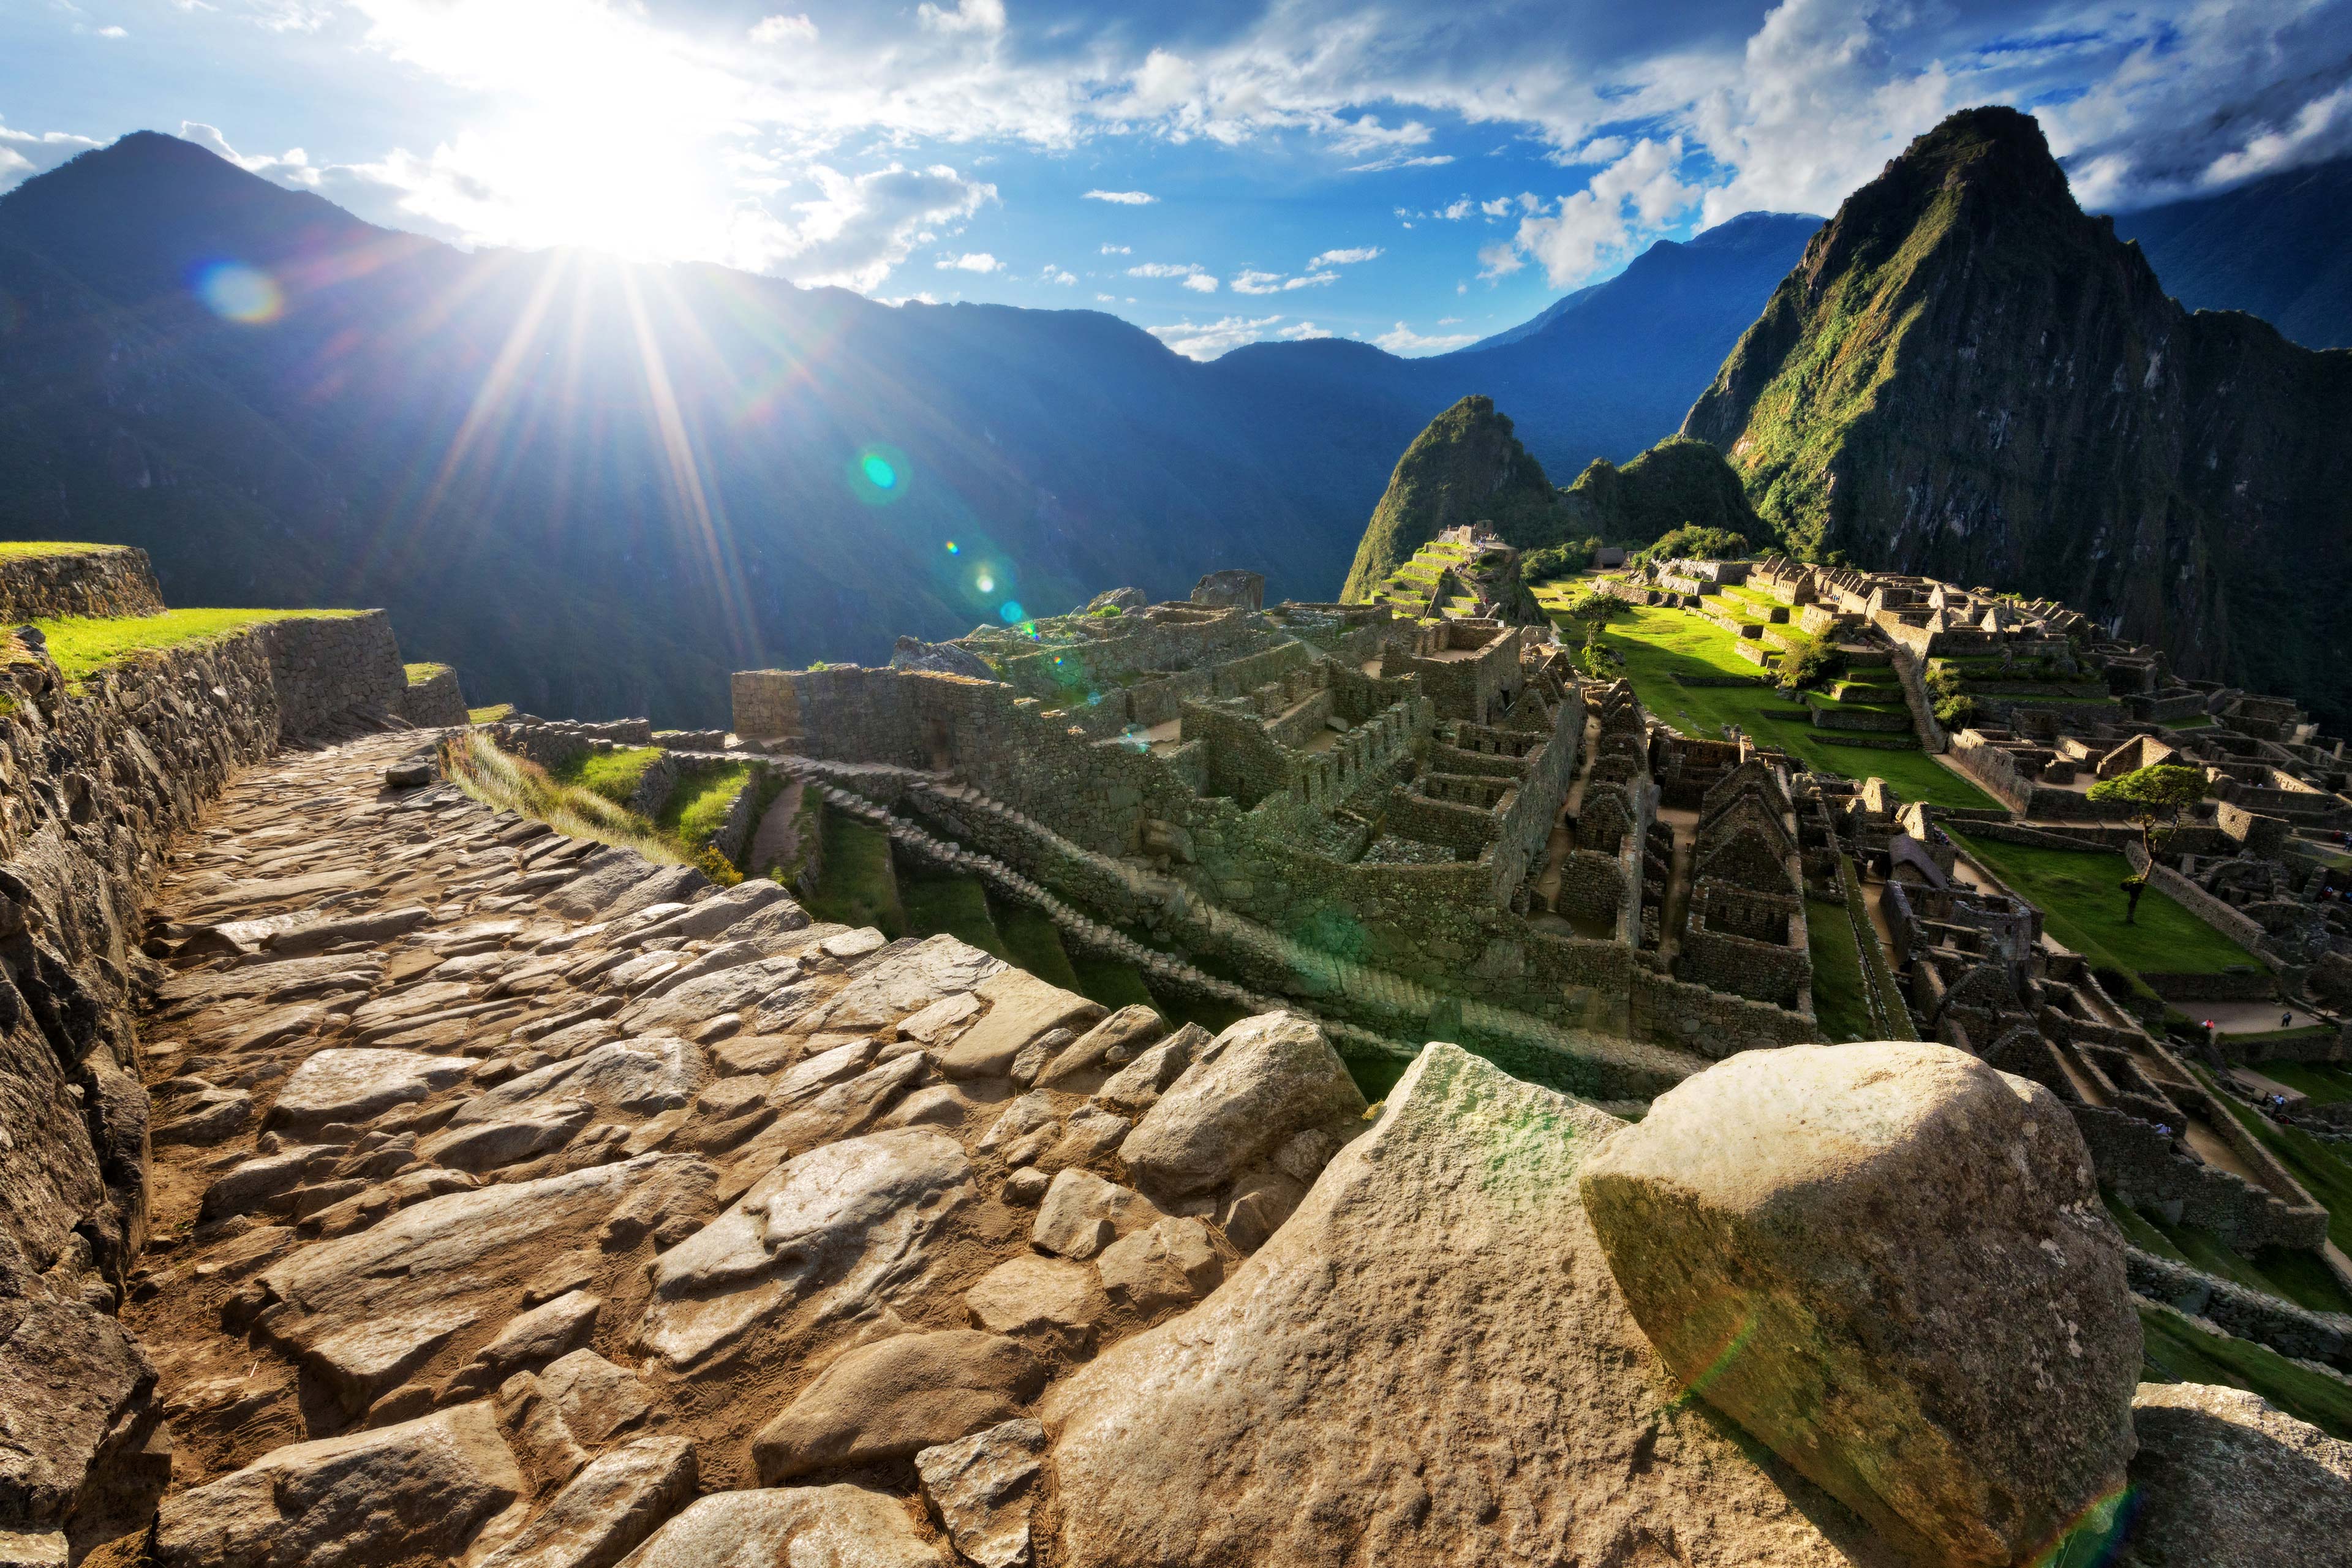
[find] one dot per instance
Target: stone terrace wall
(90, 788)
(114, 580)
(435, 701)
(331, 668)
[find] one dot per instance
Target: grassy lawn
(2325, 1084)
(489, 714)
(612, 774)
(1840, 1003)
(2323, 1171)
(2078, 892)
(698, 802)
(17, 550)
(418, 674)
(858, 886)
(2177, 1351)
(956, 905)
(83, 645)
(1658, 644)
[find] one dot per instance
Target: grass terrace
(2175, 1350)
(490, 714)
(418, 674)
(615, 775)
(24, 550)
(698, 802)
(2321, 1166)
(1658, 644)
(2302, 1277)
(84, 645)
(2322, 1083)
(1841, 1000)
(2080, 895)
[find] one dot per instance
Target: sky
(1218, 171)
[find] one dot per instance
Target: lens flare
(1011, 610)
(236, 292)
(952, 548)
(878, 474)
(987, 585)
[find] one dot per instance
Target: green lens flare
(880, 473)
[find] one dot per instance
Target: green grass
(489, 714)
(2177, 1351)
(493, 777)
(1113, 983)
(858, 885)
(1658, 644)
(84, 645)
(1841, 1000)
(1031, 942)
(612, 774)
(2324, 1171)
(17, 550)
(956, 905)
(2078, 892)
(2322, 1083)
(418, 674)
(698, 802)
(2302, 1277)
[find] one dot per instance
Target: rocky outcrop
(1890, 1263)
(1429, 1363)
(1969, 378)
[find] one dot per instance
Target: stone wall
(108, 580)
(1711, 1023)
(2290, 1330)
(2145, 1170)
(329, 670)
(433, 700)
(92, 786)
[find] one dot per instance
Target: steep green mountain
(1467, 466)
(1678, 481)
(2278, 248)
(1968, 377)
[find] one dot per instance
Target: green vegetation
(1812, 660)
(1695, 542)
(1554, 561)
(490, 714)
(858, 885)
(1113, 983)
(418, 674)
(2152, 800)
(956, 905)
(2319, 1166)
(1031, 942)
(1840, 999)
(699, 801)
(1678, 481)
(18, 550)
(2323, 1084)
(612, 774)
(2076, 891)
(501, 779)
(1955, 708)
(2176, 1350)
(1654, 645)
(83, 645)
(2303, 1278)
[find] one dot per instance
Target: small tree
(1813, 659)
(2153, 800)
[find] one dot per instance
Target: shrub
(1692, 541)
(1811, 661)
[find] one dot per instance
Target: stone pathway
(509, 1190)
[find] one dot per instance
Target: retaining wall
(110, 580)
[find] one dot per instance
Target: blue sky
(1221, 172)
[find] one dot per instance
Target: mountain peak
(1467, 466)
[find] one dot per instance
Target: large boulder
(822, 1527)
(1889, 1263)
(1255, 1087)
(2226, 1481)
(1429, 1365)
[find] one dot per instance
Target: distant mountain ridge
(2278, 248)
(1756, 242)
(598, 488)
(1969, 378)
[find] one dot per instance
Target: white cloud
(1399, 161)
(1499, 259)
(1164, 270)
(24, 154)
(291, 168)
(1123, 198)
(113, 33)
(1196, 340)
(1056, 276)
(1201, 283)
(982, 17)
(1403, 340)
(1116, 251)
(1276, 283)
(1345, 257)
(794, 29)
(970, 261)
(1498, 208)
(1302, 331)
(1107, 299)
(1599, 227)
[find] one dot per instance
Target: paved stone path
(509, 1190)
